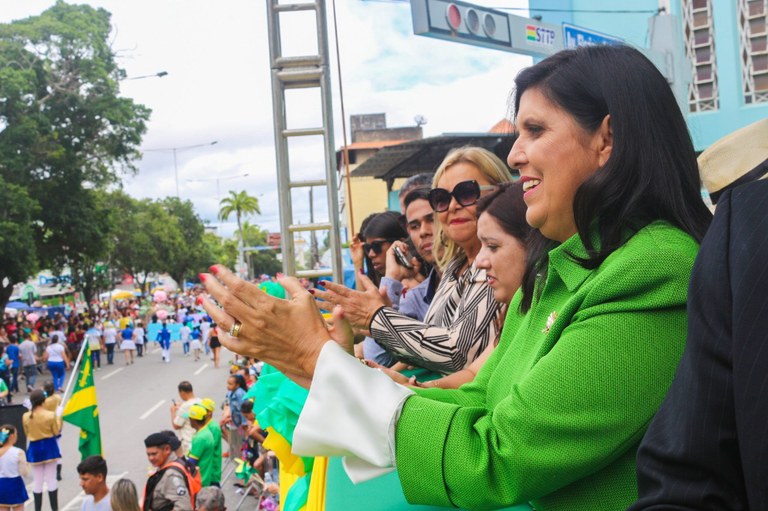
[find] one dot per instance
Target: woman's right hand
(396, 377)
(288, 334)
(356, 252)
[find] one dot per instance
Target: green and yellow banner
(82, 409)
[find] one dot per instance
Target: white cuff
(352, 410)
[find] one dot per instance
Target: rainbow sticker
(530, 33)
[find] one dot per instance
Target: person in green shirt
(202, 451)
(3, 392)
(214, 426)
(555, 416)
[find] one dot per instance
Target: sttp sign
(579, 36)
(462, 22)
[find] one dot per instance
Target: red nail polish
(199, 300)
(362, 271)
(311, 291)
(201, 276)
(214, 269)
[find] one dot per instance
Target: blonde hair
(490, 166)
(123, 496)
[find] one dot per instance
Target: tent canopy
(425, 155)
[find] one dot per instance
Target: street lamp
(159, 74)
(175, 163)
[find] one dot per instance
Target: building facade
(725, 43)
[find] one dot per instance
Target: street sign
(579, 36)
(463, 22)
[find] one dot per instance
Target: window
(698, 31)
(753, 49)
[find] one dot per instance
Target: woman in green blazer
(555, 416)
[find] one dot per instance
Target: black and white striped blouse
(460, 323)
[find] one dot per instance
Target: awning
(425, 155)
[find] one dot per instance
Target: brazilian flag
(82, 409)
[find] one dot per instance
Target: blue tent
(18, 306)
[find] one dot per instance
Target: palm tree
(239, 203)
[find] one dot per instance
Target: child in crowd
(13, 466)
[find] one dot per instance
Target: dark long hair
(381, 225)
(506, 206)
(651, 173)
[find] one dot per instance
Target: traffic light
(461, 22)
(467, 23)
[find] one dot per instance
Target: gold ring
(234, 330)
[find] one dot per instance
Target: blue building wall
(705, 127)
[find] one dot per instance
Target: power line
(530, 9)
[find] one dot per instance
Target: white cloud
(218, 88)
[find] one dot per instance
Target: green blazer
(555, 416)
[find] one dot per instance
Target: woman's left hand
(359, 306)
(287, 334)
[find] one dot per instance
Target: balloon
(160, 296)
(33, 316)
(162, 314)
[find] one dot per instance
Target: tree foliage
(64, 134)
(240, 204)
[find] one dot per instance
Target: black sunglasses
(466, 194)
(376, 246)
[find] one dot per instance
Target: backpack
(189, 473)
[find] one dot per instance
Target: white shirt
(184, 332)
(138, 335)
(102, 505)
(55, 352)
(28, 351)
(110, 335)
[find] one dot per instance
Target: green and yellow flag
(82, 409)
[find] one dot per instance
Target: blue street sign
(579, 36)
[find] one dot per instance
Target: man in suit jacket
(707, 448)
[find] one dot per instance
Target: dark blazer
(707, 448)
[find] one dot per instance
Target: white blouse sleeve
(352, 411)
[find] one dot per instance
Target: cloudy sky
(218, 87)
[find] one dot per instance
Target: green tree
(194, 254)
(64, 130)
(17, 243)
(222, 251)
(149, 238)
(94, 223)
(260, 261)
(239, 203)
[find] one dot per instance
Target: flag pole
(75, 371)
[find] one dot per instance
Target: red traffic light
(453, 16)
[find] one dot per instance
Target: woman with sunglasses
(462, 319)
(379, 231)
(505, 236)
(556, 414)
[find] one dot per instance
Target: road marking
(76, 502)
(202, 368)
(149, 412)
(112, 373)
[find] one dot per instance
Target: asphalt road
(134, 402)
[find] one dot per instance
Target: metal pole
(313, 234)
(176, 172)
(75, 371)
